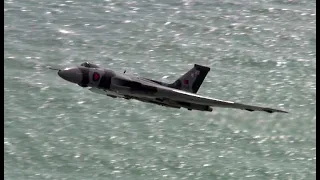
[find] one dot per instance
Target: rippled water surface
(260, 52)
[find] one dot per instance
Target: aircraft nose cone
(71, 74)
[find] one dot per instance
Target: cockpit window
(89, 65)
(85, 64)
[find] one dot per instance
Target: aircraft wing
(202, 100)
(146, 90)
(192, 98)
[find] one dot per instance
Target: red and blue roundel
(95, 76)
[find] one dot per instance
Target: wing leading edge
(198, 99)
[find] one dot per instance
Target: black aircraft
(179, 94)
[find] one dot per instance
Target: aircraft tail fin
(192, 80)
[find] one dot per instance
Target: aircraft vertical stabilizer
(192, 80)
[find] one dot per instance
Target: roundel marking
(96, 76)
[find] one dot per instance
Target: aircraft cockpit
(89, 65)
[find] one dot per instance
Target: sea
(261, 52)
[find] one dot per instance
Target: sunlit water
(260, 53)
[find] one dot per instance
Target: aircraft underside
(157, 101)
(173, 104)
